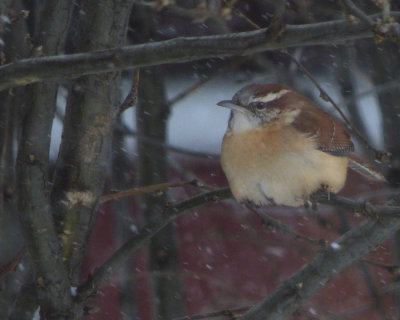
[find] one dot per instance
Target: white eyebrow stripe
(270, 96)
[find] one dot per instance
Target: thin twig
(146, 189)
(127, 131)
(379, 155)
(358, 12)
(393, 84)
(373, 290)
(198, 14)
(10, 266)
(277, 26)
(248, 20)
(197, 85)
(386, 28)
(273, 224)
(349, 314)
(231, 313)
(102, 273)
(386, 11)
(189, 175)
(391, 268)
(359, 207)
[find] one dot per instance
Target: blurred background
(220, 256)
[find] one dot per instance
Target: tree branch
(12, 264)
(180, 50)
(381, 229)
(85, 150)
(145, 189)
(379, 155)
(36, 216)
(304, 283)
(361, 207)
(101, 274)
(358, 12)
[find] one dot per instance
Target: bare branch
(379, 155)
(129, 132)
(49, 272)
(386, 11)
(222, 71)
(229, 314)
(270, 223)
(146, 189)
(358, 12)
(277, 26)
(249, 21)
(327, 260)
(101, 274)
(180, 50)
(10, 266)
(361, 207)
(304, 283)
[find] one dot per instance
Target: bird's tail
(365, 169)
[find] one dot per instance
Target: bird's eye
(260, 106)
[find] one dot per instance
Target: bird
(280, 147)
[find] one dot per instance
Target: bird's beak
(229, 104)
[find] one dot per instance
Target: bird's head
(258, 104)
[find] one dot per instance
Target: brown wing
(331, 135)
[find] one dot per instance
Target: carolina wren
(280, 147)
